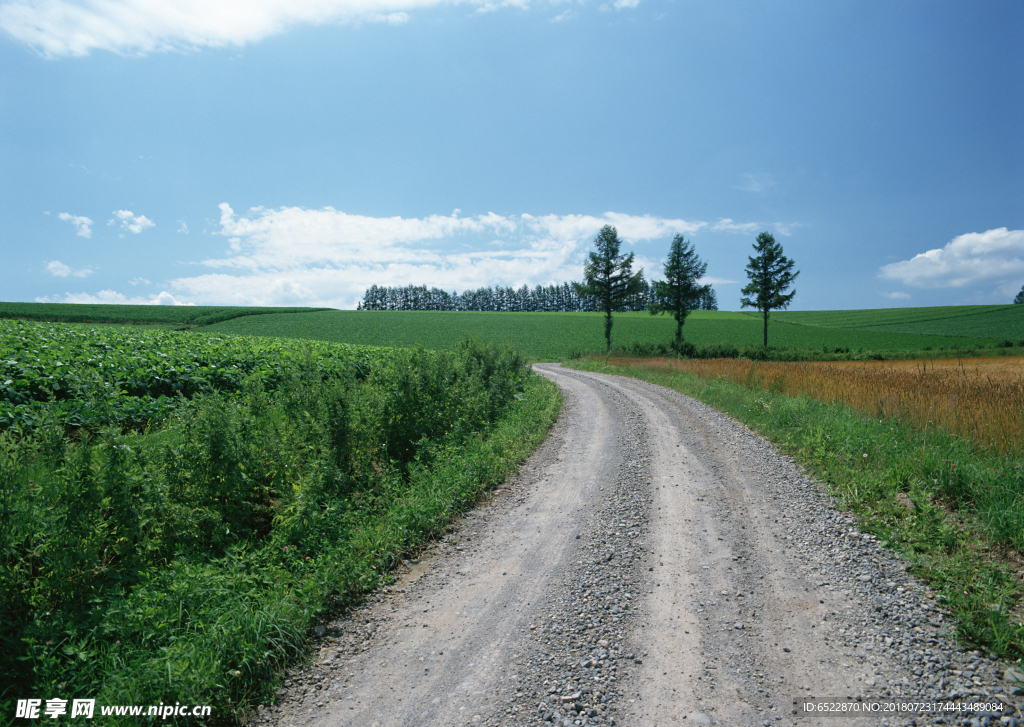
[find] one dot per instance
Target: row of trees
(608, 277)
(563, 298)
(610, 285)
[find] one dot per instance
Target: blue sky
(280, 152)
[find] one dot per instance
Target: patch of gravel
(579, 663)
(887, 622)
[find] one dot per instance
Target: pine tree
(608, 277)
(771, 274)
(679, 292)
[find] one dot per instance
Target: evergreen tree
(608, 277)
(709, 301)
(1020, 296)
(679, 292)
(771, 274)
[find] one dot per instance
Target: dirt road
(654, 563)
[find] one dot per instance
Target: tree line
(608, 276)
(563, 298)
(610, 286)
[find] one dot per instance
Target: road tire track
(653, 563)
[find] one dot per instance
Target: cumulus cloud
(83, 225)
(993, 260)
(134, 27)
(133, 223)
(113, 297)
(60, 270)
(297, 256)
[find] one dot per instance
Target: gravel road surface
(653, 563)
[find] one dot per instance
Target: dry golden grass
(981, 399)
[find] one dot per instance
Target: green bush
(187, 564)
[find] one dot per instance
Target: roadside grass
(554, 336)
(952, 509)
(188, 564)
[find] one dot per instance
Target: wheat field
(981, 399)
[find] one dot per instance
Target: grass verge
(955, 513)
(189, 564)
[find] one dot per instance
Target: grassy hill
(182, 315)
(551, 336)
(988, 321)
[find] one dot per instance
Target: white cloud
(133, 223)
(139, 281)
(134, 27)
(57, 268)
(113, 297)
(993, 260)
(296, 256)
(60, 270)
(898, 295)
(748, 228)
(728, 225)
(711, 280)
(183, 228)
(83, 224)
(626, 4)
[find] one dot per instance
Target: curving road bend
(654, 563)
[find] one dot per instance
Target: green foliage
(92, 377)
(771, 275)
(188, 563)
(963, 500)
(1019, 298)
(679, 292)
(608, 276)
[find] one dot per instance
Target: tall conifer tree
(609, 278)
(679, 292)
(771, 274)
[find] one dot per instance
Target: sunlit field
(981, 399)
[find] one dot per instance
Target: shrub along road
(653, 563)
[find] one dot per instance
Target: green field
(552, 336)
(993, 321)
(180, 315)
(90, 375)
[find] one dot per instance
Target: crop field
(978, 399)
(993, 321)
(92, 376)
(177, 510)
(553, 336)
(180, 315)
